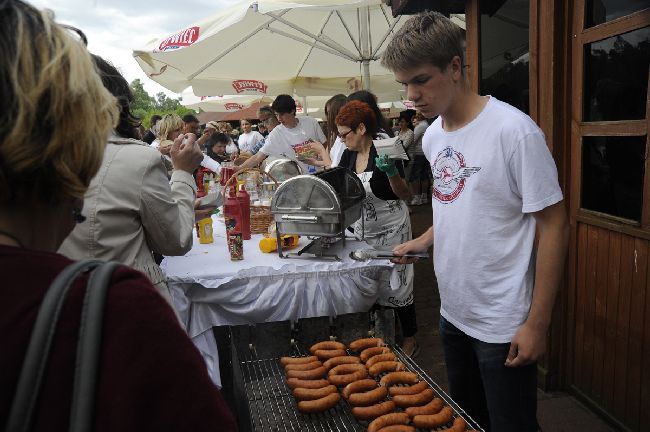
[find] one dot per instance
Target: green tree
(145, 106)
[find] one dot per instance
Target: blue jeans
(499, 398)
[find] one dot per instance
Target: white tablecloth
(209, 289)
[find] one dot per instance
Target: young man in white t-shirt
(495, 186)
(292, 133)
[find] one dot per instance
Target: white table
(208, 289)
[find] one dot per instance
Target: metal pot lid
(282, 168)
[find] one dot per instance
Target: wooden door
(609, 285)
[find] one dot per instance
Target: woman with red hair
(386, 221)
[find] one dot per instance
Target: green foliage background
(144, 106)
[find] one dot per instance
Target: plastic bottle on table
(205, 230)
(245, 208)
(232, 213)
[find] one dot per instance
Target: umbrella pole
(365, 46)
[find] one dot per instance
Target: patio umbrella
(269, 47)
(228, 103)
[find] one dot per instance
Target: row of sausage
(375, 383)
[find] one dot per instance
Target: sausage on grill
(359, 386)
(432, 407)
(371, 352)
(335, 361)
(294, 383)
(385, 366)
(388, 420)
(393, 378)
(361, 344)
(405, 401)
(319, 405)
(303, 366)
(374, 411)
(312, 394)
(317, 373)
(326, 345)
(297, 360)
(433, 420)
(326, 354)
(369, 397)
(407, 390)
(380, 358)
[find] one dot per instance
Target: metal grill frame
(254, 381)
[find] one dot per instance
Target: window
(612, 175)
(504, 37)
(602, 11)
(616, 77)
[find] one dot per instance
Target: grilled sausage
(361, 344)
(380, 358)
(303, 366)
(393, 378)
(346, 369)
(371, 352)
(359, 386)
(459, 425)
(297, 360)
(369, 397)
(345, 379)
(433, 420)
(319, 405)
(372, 412)
(388, 420)
(397, 428)
(385, 366)
(326, 345)
(406, 390)
(432, 407)
(326, 354)
(294, 383)
(312, 394)
(317, 373)
(335, 361)
(405, 401)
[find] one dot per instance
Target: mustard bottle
(205, 231)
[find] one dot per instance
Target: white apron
(386, 224)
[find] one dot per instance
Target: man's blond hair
(426, 38)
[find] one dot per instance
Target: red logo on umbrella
(181, 39)
(252, 85)
(232, 106)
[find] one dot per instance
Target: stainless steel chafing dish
(322, 204)
(282, 169)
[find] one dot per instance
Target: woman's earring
(77, 216)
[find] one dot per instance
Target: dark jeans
(406, 317)
(499, 398)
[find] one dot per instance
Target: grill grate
(273, 407)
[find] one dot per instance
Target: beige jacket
(133, 209)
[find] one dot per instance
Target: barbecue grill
(322, 204)
(254, 383)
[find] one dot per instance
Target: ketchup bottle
(232, 213)
(245, 208)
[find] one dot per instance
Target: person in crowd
(334, 145)
(420, 168)
(248, 138)
(40, 202)
(171, 126)
(191, 125)
(385, 215)
(405, 133)
(383, 127)
(231, 149)
(152, 133)
(132, 209)
(270, 122)
(291, 133)
(215, 147)
(495, 191)
(261, 128)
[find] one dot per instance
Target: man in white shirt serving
(293, 134)
(494, 186)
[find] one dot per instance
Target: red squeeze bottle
(232, 213)
(245, 206)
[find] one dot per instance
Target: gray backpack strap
(89, 349)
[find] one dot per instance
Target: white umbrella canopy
(270, 47)
(228, 103)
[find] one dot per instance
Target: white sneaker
(416, 200)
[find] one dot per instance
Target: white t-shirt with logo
(488, 179)
(281, 140)
(248, 140)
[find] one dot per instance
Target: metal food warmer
(282, 169)
(254, 383)
(321, 205)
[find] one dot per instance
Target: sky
(115, 27)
